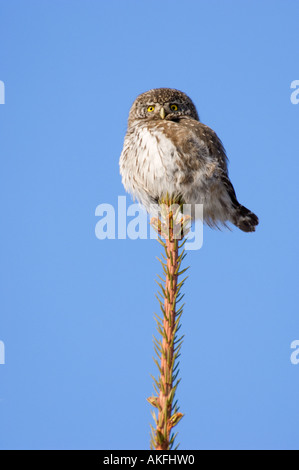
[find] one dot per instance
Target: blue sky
(76, 312)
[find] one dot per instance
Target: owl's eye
(173, 107)
(150, 109)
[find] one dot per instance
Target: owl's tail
(244, 219)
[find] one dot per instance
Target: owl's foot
(156, 224)
(171, 227)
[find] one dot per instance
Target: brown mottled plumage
(167, 150)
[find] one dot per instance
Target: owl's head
(162, 103)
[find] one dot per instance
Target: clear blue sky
(76, 312)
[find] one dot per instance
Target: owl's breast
(149, 162)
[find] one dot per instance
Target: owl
(168, 151)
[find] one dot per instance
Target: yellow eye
(173, 107)
(150, 109)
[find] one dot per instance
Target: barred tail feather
(245, 220)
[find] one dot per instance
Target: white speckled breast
(148, 162)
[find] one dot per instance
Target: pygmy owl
(167, 150)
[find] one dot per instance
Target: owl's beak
(162, 113)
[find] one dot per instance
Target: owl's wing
(217, 152)
(241, 216)
(212, 142)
